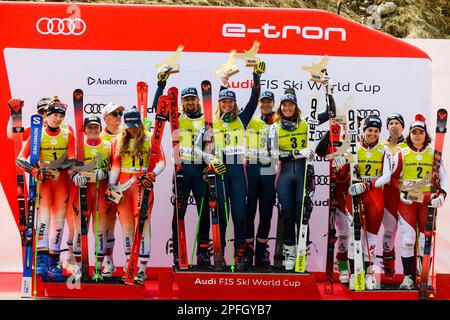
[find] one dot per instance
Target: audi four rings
(321, 180)
(58, 26)
(364, 113)
(94, 108)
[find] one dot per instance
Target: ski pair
(206, 89)
(430, 226)
(308, 188)
(17, 129)
(33, 197)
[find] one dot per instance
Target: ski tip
(206, 86)
(77, 94)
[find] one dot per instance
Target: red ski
(147, 197)
(183, 262)
(441, 129)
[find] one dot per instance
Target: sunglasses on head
(115, 113)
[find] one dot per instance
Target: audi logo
(58, 26)
(321, 180)
(93, 108)
(364, 113)
(320, 134)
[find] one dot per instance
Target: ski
(83, 205)
(334, 142)
(147, 196)
(17, 129)
(211, 176)
(35, 146)
(441, 129)
(308, 189)
(178, 178)
(142, 101)
(353, 133)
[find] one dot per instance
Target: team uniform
(291, 137)
(191, 126)
(391, 196)
(261, 181)
(122, 170)
(411, 166)
(229, 145)
(110, 218)
(54, 196)
(96, 202)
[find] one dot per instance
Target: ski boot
(171, 247)
(351, 283)
(407, 283)
(70, 264)
(108, 269)
(97, 276)
(203, 256)
(262, 255)
(389, 266)
(54, 271)
(289, 257)
(239, 258)
(140, 277)
(249, 254)
(370, 282)
(343, 271)
(42, 263)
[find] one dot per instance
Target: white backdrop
(403, 86)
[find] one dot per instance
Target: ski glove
(146, 180)
(339, 162)
(163, 73)
(304, 153)
(404, 198)
(79, 180)
(358, 188)
(218, 166)
(100, 174)
(260, 68)
(327, 85)
(109, 196)
(15, 105)
(40, 174)
(437, 200)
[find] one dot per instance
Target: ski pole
(97, 185)
(197, 229)
(36, 232)
(219, 152)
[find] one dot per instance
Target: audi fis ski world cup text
(248, 282)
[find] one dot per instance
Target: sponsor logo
(61, 26)
(239, 30)
(102, 82)
(364, 113)
(321, 180)
(93, 108)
